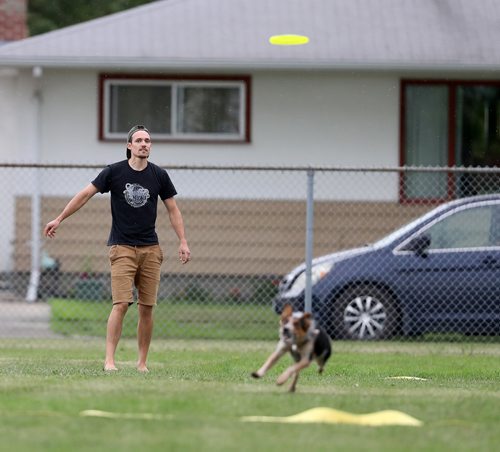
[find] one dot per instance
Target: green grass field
(172, 320)
(196, 393)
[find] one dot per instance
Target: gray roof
(370, 34)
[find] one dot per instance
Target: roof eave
(221, 64)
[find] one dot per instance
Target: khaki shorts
(135, 265)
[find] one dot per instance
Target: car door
(453, 284)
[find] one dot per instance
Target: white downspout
(32, 293)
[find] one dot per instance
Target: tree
(44, 16)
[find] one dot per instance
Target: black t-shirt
(134, 201)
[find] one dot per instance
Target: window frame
(175, 81)
(452, 86)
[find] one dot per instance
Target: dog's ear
(287, 310)
(305, 321)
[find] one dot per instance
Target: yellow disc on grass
(288, 40)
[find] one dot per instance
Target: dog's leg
(322, 359)
(275, 356)
(321, 364)
(295, 369)
(294, 382)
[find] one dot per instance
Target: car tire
(365, 312)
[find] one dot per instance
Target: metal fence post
(309, 239)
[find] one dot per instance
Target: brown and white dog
(300, 336)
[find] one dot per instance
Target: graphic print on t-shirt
(136, 195)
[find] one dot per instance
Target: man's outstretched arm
(78, 201)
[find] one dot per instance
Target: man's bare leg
(113, 333)
(144, 335)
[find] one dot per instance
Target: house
(380, 83)
(367, 63)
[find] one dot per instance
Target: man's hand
(184, 253)
(50, 228)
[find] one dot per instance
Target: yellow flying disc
(288, 40)
(331, 416)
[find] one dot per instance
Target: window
(467, 228)
(450, 123)
(215, 109)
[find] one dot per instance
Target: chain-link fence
(248, 228)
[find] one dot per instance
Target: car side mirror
(419, 245)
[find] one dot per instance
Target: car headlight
(318, 271)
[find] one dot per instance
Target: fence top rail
(417, 169)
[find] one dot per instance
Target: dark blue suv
(440, 273)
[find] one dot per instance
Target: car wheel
(365, 313)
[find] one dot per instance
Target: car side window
(495, 226)
(467, 228)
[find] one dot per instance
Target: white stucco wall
(17, 119)
(326, 119)
(297, 119)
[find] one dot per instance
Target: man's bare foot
(110, 368)
(143, 369)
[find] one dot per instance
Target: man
(135, 255)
